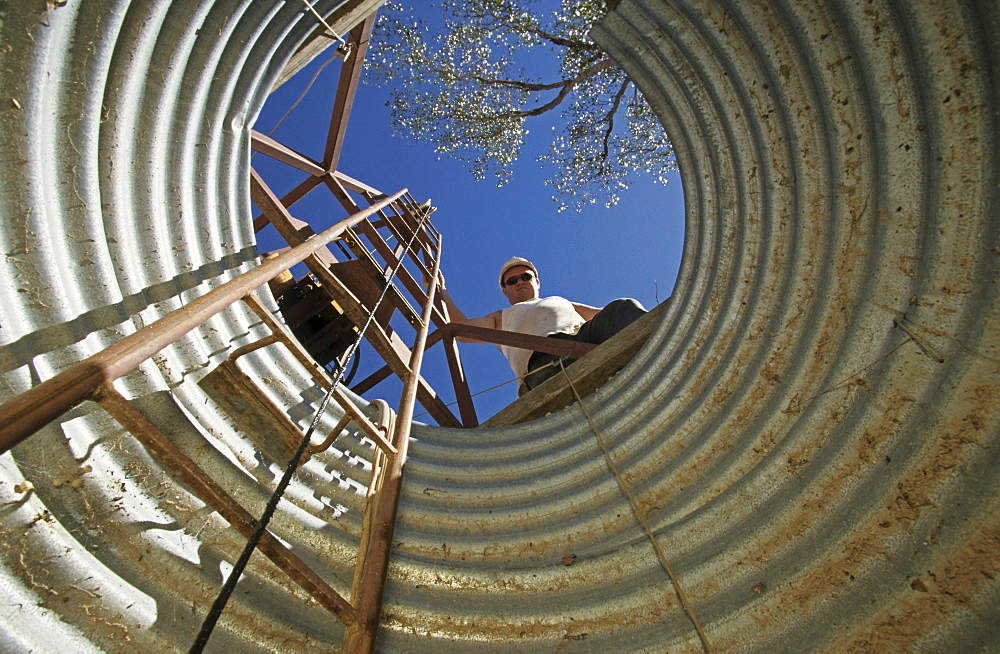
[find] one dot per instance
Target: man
(553, 316)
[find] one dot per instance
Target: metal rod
(40, 405)
(323, 20)
(333, 435)
(387, 423)
(360, 637)
(270, 339)
(286, 337)
(209, 491)
(364, 424)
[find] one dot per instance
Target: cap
(516, 261)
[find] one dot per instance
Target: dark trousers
(613, 318)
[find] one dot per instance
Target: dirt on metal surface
(252, 411)
(811, 430)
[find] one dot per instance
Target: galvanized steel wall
(125, 174)
(812, 430)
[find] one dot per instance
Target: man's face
(522, 289)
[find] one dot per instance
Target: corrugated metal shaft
(812, 430)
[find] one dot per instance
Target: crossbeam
(38, 406)
(557, 346)
(209, 491)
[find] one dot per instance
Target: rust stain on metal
(811, 428)
(255, 414)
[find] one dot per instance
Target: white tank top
(541, 317)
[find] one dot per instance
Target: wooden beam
(466, 408)
(588, 374)
(347, 87)
(279, 152)
(371, 381)
(352, 184)
(290, 198)
(293, 230)
(557, 346)
(341, 19)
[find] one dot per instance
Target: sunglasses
(524, 277)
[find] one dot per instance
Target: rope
(323, 20)
(302, 95)
(638, 513)
(227, 589)
(493, 388)
(311, 80)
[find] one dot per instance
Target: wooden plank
(557, 346)
(279, 152)
(252, 411)
(342, 19)
(588, 374)
(355, 276)
(382, 247)
(347, 87)
(293, 230)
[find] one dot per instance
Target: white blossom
(470, 83)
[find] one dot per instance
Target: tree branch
(495, 22)
(513, 83)
(611, 121)
(558, 40)
(527, 86)
(567, 86)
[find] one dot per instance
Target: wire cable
(323, 20)
(227, 589)
(638, 513)
(302, 95)
(493, 388)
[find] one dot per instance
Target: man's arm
(586, 311)
(457, 316)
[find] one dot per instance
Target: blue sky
(593, 256)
